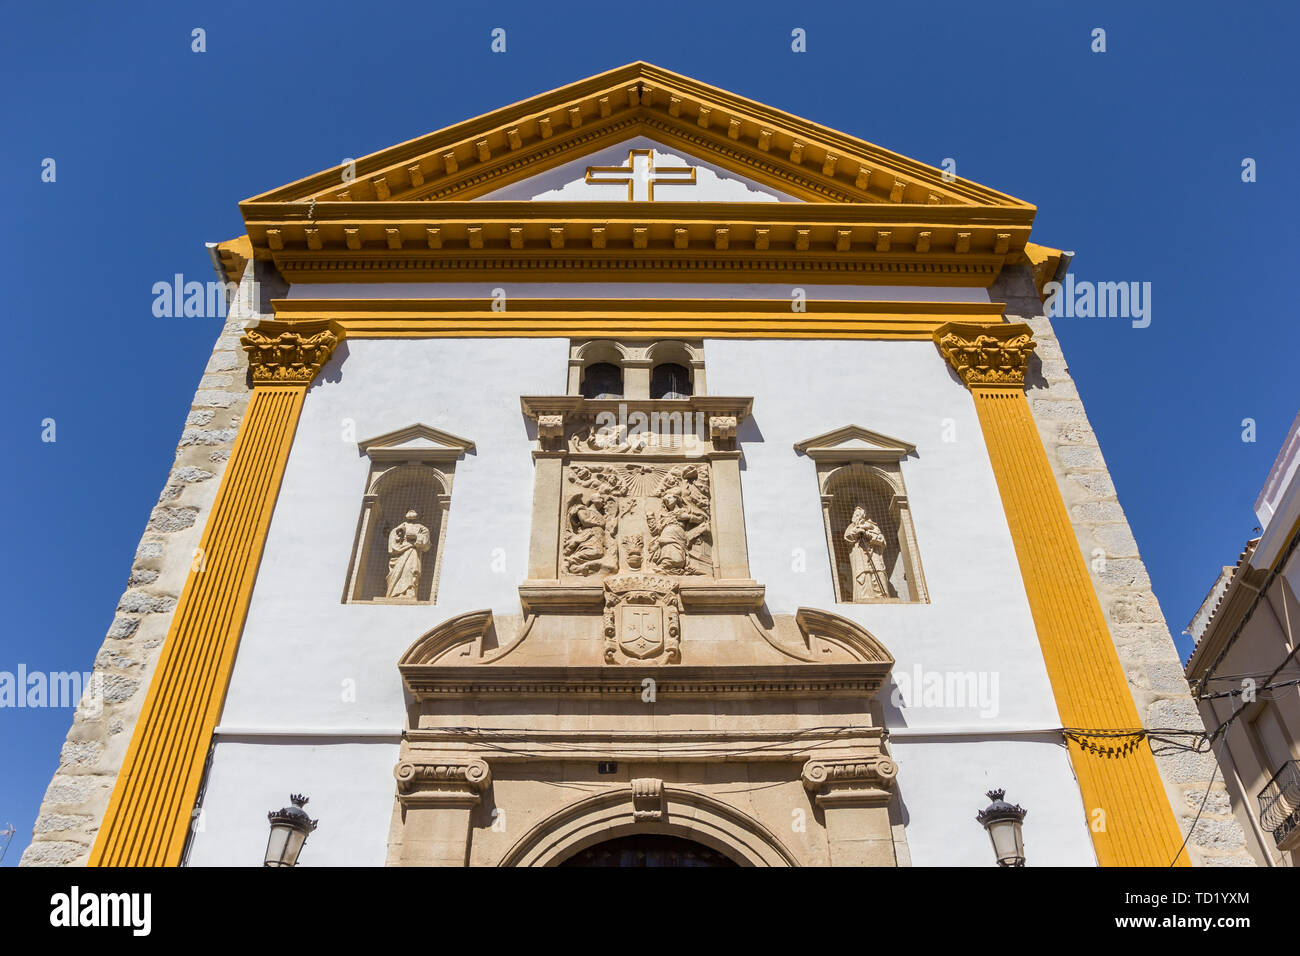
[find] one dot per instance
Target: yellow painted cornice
(813, 242)
(634, 318)
(1045, 262)
(233, 254)
(870, 215)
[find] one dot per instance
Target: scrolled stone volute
(469, 774)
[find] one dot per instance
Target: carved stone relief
(621, 518)
(642, 620)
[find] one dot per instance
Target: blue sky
(1133, 157)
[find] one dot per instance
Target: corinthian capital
(987, 354)
(287, 352)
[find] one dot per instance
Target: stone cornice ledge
(524, 744)
(704, 594)
(434, 682)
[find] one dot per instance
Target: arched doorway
(648, 850)
(607, 818)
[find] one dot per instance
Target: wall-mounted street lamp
(289, 830)
(1003, 821)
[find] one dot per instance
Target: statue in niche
(866, 557)
(406, 543)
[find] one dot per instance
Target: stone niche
(644, 688)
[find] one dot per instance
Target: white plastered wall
(310, 665)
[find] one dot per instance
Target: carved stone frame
(637, 359)
(855, 451)
(419, 446)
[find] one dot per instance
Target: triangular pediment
(416, 443)
(489, 153)
(538, 189)
(854, 443)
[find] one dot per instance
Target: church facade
(635, 467)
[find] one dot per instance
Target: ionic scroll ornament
(287, 352)
(987, 355)
(868, 778)
(430, 778)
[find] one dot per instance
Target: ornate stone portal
(647, 495)
(644, 675)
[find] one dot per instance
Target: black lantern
(289, 830)
(1003, 821)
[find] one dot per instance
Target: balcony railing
(1279, 805)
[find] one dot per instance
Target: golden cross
(640, 175)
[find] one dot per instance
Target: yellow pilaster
(1117, 776)
(149, 813)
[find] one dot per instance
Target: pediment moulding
(469, 644)
(987, 356)
(481, 154)
(416, 443)
(460, 638)
(819, 626)
(854, 443)
(410, 209)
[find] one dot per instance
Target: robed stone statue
(406, 544)
(866, 557)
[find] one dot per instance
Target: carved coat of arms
(642, 619)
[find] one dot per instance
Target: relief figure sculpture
(590, 535)
(630, 517)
